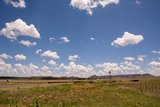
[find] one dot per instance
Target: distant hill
(77, 78)
(120, 76)
(41, 78)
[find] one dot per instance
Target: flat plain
(118, 92)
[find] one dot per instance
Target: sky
(79, 37)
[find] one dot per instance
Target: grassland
(94, 93)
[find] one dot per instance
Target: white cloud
(20, 4)
(52, 39)
(129, 67)
(156, 52)
(154, 64)
(5, 56)
(50, 54)
(51, 62)
(89, 5)
(20, 69)
(45, 68)
(122, 68)
(64, 40)
(92, 39)
(138, 2)
(129, 58)
(154, 68)
(20, 57)
(38, 51)
(4, 67)
(32, 66)
(73, 58)
(32, 70)
(107, 67)
(73, 69)
(141, 57)
(25, 70)
(27, 43)
(127, 39)
(19, 28)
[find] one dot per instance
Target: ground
(92, 93)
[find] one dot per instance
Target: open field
(31, 83)
(81, 93)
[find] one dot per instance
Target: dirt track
(4, 87)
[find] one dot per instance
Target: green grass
(97, 94)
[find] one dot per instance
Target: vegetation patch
(84, 94)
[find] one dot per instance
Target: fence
(146, 88)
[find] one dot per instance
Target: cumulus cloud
(4, 67)
(73, 58)
(92, 39)
(25, 70)
(122, 68)
(50, 54)
(51, 39)
(154, 68)
(64, 40)
(27, 43)
(38, 51)
(45, 68)
(89, 5)
(51, 62)
(129, 58)
(107, 67)
(32, 66)
(20, 4)
(5, 56)
(19, 28)
(138, 2)
(127, 39)
(141, 57)
(154, 64)
(20, 57)
(19, 69)
(28, 70)
(73, 69)
(156, 52)
(128, 67)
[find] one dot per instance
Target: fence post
(156, 90)
(152, 88)
(146, 87)
(140, 87)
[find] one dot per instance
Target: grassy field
(96, 93)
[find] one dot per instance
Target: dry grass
(99, 93)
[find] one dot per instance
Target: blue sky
(72, 24)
